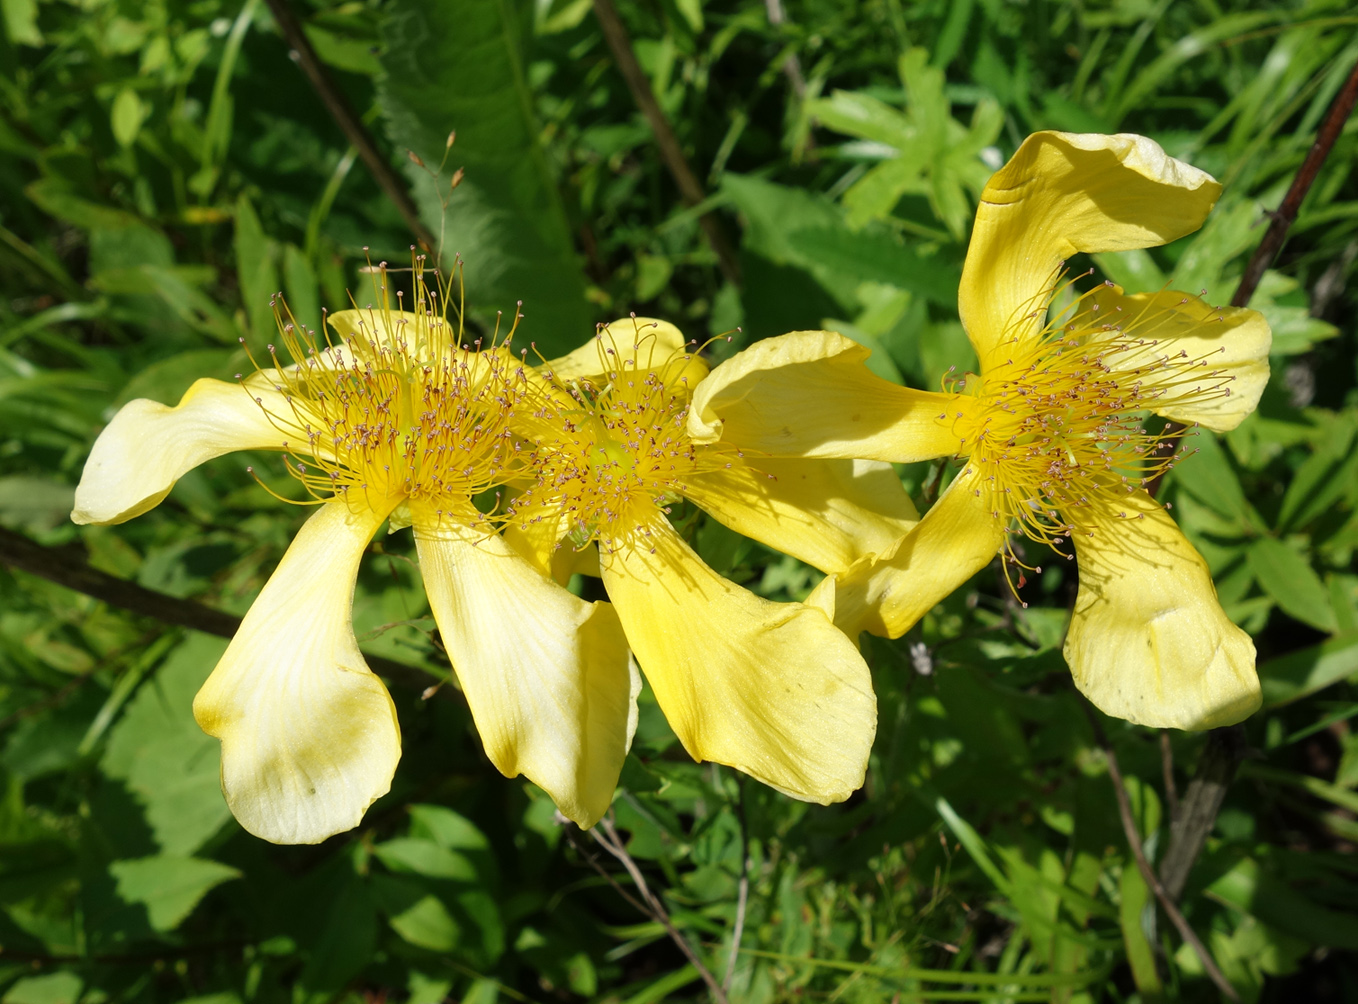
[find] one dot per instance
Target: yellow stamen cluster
(609, 452)
(398, 411)
(1063, 417)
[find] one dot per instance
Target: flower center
(610, 452)
(1063, 417)
(397, 412)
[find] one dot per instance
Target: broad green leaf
(1321, 480)
(875, 256)
(157, 750)
(50, 988)
(458, 66)
(168, 886)
(1205, 472)
(1299, 674)
(1289, 578)
(255, 270)
(21, 21)
(424, 857)
(1249, 887)
(446, 828)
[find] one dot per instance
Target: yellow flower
(772, 689)
(398, 422)
(1051, 429)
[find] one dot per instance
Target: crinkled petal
(887, 594)
(772, 689)
(1195, 362)
(808, 394)
(1063, 193)
(149, 446)
(547, 675)
(309, 734)
(1148, 640)
(828, 513)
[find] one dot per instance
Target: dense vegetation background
(165, 167)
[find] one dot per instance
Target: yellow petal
(808, 394)
(772, 689)
(828, 513)
(547, 675)
(149, 446)
(629, 343)
(1063, 193)
(1148, 640)
(1196, 363)
(309, 734)
(886, 594)
(420, 333)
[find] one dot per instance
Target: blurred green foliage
(165, 168)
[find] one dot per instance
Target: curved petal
(1148, 640)
(309, 734)
(1062, 193)
(828, 513)
(772, 689)
(1194, 362)
(149, 446)
(419, 334)
(640, 343)
(808, 394)
(547, 675)
(886, 594)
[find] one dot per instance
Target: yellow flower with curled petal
(399, 422)
(1051, 430)
(772, 689)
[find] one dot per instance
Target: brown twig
(352, 127)
(1287, 210)
(67, 568)
(607, 838)
(690, 189)
(1133, 833)
(1167, 769)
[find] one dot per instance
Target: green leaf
(1204, 471)
(164, 759)
(876, 256)
(1299, 674)
(446, 828)
(126, 117)
(1250, 888)
(1321, 480)
(21, 21)
(168, 886)
(458, 65)
(255, 269)
(417, 915)
(52, 988)
(1289, 578)
(346, 943)
(299, 279)
(1134, 898)
(424, 857)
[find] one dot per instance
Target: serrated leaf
(458, 65)
(168, 886)
(169, 764)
